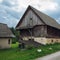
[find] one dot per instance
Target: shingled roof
(45, 18)
(5, 32)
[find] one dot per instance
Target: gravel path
(54, 56)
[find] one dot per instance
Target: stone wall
(44, 40)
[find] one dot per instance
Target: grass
(15, 53)
(14, 45)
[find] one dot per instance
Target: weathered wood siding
(53, 32)
(26, 32)
(27, 19)
(40, 31)
(37, 31)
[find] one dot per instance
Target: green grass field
(15, 53)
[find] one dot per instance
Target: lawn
(15, 53)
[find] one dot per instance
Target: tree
(16, 33)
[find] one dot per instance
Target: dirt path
(54, 56)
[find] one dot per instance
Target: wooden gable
(34, 17)
(30, 19)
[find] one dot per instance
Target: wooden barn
(5, 36)
(38, 27)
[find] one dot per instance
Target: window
(30, 18)
(9, 41)
(31, 39)
(52, 41)
(31, 21)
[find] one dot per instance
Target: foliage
(29, 47)
(15, 45)
(16, 33)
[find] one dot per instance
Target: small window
(31, 39)
(52, 41)
(30, 21)
(9, 41)
(30, 18)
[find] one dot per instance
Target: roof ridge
(3, 23)
(42, 13)
(43, 17)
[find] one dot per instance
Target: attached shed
(5, 36)
(39, 26)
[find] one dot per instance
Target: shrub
(14, 40)
(29, 47)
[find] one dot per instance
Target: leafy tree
(16, 33)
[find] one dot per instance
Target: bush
(21, 45)
(29, 47)
(16, 33)
(14, 40)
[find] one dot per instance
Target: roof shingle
(5, 31)
(45, 18)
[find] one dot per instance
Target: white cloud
(48, 6)
(1, 1)
(11, 10)
(42, 5)
(12, 2)
(10, 21)
(58, 20)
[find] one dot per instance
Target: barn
(38, 27)
(5, 36)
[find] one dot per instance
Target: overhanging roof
(45, 18)
(5, 32)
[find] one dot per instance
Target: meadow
(15, 53)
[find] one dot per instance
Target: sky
(11, 11)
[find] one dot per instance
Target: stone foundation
(53, 40)
(41, 40)
(44, 40)
(27, 38)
